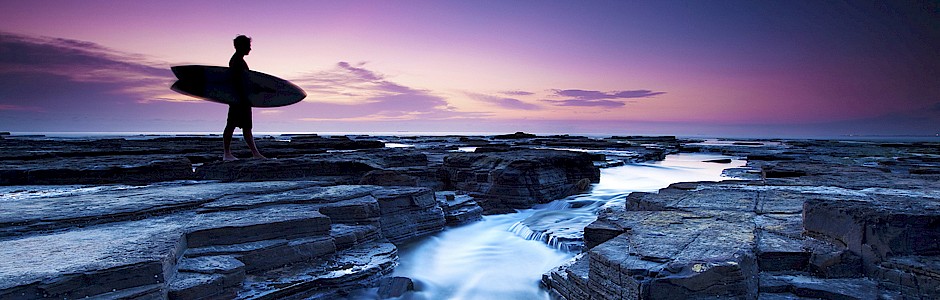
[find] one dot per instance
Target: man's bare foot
(259, 156)
(229, 157)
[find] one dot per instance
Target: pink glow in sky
(664, 67)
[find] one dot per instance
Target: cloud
(19, 108)
(590, 98)
(597, 95)
(589, 103)
(352, 92)
(516, 93)
(508, 103)
(64, 63)
(59, 84)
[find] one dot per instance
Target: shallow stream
(504, 256)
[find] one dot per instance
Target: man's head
(242, 44)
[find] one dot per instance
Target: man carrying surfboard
(239, 114)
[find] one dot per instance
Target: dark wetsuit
(239, 115)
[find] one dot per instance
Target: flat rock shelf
(163, 218)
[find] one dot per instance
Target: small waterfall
(563, 244)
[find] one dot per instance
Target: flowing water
(504, 256)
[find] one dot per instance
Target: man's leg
(227, 143)
(250, 140)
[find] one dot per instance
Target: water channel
(504, 256)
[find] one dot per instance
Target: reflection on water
(504, 256)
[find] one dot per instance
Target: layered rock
(334, 168)
(96, 170)
(502, 181)
(458, 209)
(828, 220)
(208, 240)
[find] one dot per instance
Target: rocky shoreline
(157, 218)
(826, 220)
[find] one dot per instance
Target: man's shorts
(239, 116)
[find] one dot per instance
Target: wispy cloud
(597, 95)
(516, 93)
(19, 108)
(589, 103)
(353, 92)
(503, 102)
(591, 98)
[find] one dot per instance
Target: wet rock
(876, 228)
(459, 209)
(395, 287)
(408, 213)
(780, 244)
(96, 170)
(336, 168)
(208, 240)
(913, 276)
(836, 264)
(719, 161)
(82, 262)
(816, 288)
(198, 286)
(570, 280)
(323, 167)
(359, 267)
(518, 179)
(676, 255)
(388, 178)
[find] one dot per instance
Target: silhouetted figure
(239, 115)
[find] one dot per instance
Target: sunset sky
(752, 68)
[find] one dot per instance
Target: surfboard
(217, 84)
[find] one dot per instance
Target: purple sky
(762, 68)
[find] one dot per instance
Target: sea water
(504, 256)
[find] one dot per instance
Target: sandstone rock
(336, 168)
(816, 288)
(518, 179)
(458, 209)
(198, 286)
(208, 240)
(676, 255)
(310, 167)
(359, 267)
(780, 244)
(96, 170)
(388, 178)
(395, 287)
(912, 276)
(570, 280)
(408, 213)
(877, 228)
(82, 262)
(836, 264)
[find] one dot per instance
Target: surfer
(239, 114)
